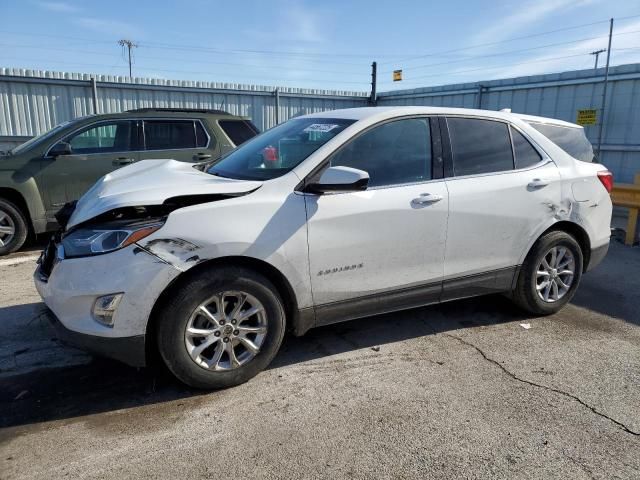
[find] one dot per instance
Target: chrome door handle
(538, 183)
(203, 156)
(123, 161)
(426, 199)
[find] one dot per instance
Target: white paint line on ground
(18, 260)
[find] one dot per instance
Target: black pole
(130, 77)
(374, 81)
(604, 88)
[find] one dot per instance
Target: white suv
(325, 218)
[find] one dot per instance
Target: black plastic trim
(129, 350)
(479, 284)
(597, 255)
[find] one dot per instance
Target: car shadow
(67, 392)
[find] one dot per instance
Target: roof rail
(186, 110)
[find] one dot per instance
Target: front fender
(28, 190)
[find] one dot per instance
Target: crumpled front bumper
(74, 284)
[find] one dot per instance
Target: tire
(184, 310)
(526, 294)
(13, 227)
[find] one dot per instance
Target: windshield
(277, 151)
(571, 140)
(36, 140)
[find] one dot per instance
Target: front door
(96, 150)
(383, 248)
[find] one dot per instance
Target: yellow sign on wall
(397, 75)
(587, 117)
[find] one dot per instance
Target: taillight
(606, 177)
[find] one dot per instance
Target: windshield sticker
(321, 127)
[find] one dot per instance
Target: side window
(117, 136)
(526, 155)
(239, 131)
(169, 134)
(479, 146)
(201, 136)
(392, 153)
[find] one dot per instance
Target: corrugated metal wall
(33, 101)
(558, 96)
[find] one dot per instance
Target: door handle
(426, 199)
(123, 161)
(538, 183)
(203, 156)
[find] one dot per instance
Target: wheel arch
(15, 197)
(285, 290)
(577, 232)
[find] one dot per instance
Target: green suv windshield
(277, 151)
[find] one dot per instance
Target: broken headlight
(93, 240)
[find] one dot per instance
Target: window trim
(448, 156)
(317, 171)
(194, 120)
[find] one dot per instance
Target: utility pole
(374, 81)
(604, 88)
(129, 44)
(597, 54)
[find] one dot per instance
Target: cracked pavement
(455, 390)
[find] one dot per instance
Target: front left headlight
(94, 240)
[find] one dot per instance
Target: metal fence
(32, 101)
(560, 96)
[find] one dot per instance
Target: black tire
(525, 294)
(18, 221)
(175, 316)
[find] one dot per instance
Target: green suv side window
(118, 136)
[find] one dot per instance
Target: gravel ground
(461, 390)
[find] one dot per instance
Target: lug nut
(217, 334)
(225, 339)
(221, 322)
(233, 322)
(236, 332)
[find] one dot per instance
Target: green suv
(38, 177)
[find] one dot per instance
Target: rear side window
(393, 153)
(526, 155)
(479, 146)
(572, 140)
(238, 131)
(169, 134)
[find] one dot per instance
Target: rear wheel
(13, 227)
(222, 328)
(550, 274)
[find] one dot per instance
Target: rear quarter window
(238, 131)
(572, 140)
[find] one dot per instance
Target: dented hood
(151, 182)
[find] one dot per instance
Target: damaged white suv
(327, 217)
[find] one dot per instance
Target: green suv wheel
(13, 227)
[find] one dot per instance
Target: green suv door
(180, 139)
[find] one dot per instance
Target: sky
(327, 44)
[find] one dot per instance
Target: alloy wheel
(7, 228)
(555, 274)
(226, 331)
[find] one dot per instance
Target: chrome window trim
(135, 119)
(545, 157)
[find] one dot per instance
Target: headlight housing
(104, 238)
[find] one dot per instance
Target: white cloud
(61, 7)
(523, 16)
(110, 27)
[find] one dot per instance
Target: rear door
(97, 149)
(185, 140)
(502, 190)
(382, 248)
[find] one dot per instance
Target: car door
(502, 191)
(185, 140)
(96, 150)
(381, 249)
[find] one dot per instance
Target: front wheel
(13, 227)
(550, 274)
(222, 328)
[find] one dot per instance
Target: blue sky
(317, 44)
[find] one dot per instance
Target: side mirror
(340, 179)
(60, 148)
